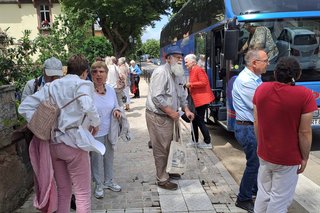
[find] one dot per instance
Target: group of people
(123, 78)
(93, 106)
(273, 126)
(164, 102)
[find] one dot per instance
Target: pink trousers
(72, 171)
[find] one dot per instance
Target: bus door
(216, 60)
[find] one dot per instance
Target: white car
(300, 43)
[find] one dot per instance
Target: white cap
(53, 67)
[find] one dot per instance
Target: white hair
(121, 60)
(108, 60)
(132, 62)
(190, 57)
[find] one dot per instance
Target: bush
(96, 46)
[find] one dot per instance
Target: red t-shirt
(279, 108)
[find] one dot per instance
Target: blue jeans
(247, 139)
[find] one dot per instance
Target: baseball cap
(173, 50)
(53, 67)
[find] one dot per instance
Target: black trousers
(136, 80)
(198, 122)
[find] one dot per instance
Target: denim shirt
(243, 90)
(165, 89)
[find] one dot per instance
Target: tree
(120, 19)
(151, 47)
(176, 5)
(65, 38)
(96, 46)
(16, 65)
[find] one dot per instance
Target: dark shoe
(150, 145)
(168, 185)
(175, 176)
(246, 205)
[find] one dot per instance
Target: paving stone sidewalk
(205, 187)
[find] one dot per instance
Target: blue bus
(217, 29)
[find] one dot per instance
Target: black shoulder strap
(37, 83)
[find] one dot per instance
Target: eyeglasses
(264, 61)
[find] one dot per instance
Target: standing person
(125, 73)
(242, 93)
(105, 100)
(162, 106)
(52, 69)
(283, 128)
(202, 95)
(114, 79)
(260, 37)
(202, 61)
(135, 72)
(71, 165)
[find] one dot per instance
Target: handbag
(177, 155)
(44, 119)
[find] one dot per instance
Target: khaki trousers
(160, 129)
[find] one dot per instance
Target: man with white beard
(166, 95)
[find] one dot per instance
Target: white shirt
(113, 75)
(30, 87)
(105, 105)
(62, 91)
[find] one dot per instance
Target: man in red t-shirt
(282, 122)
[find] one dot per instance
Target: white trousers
(102, 165)
(126, 91)
(276, 186)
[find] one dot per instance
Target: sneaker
(191, 144)
(168, 185)
(112, 186)
(204, 145)
(246, 205)
(98, 192)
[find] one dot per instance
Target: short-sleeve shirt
(242, 93)
(279, 107)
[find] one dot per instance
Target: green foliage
(176, 5)
(151, 47)
(65, 37)
(121, 19)
(96, 46)
(16, 65)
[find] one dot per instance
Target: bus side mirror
(231, 42)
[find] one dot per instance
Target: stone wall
(16, 178)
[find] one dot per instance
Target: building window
(45, 21)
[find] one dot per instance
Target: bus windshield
(293, 37)
(251, 6)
